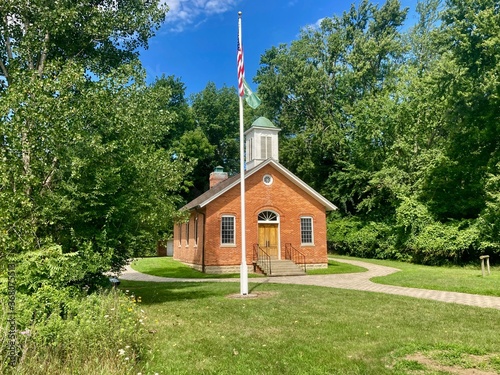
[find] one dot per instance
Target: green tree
(216, 114)
(193, 146)
(470, 88)
(179, 119)
(99, 35)
(320, 91)
(81, 171)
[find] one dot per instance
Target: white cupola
(261, 142)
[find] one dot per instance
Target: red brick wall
(282, 197)
(190, 248)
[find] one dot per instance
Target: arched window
(267, 217)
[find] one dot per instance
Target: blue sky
(197, 43)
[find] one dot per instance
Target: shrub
(49, 266)
(438, 243)
(351, 236)
(415, 237)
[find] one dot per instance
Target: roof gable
(233, 181)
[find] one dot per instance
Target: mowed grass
(454, 279)
(336, 268)
(168, 267)
(200, 328)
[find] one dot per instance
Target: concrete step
(285, 268)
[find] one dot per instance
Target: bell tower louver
(261, 142)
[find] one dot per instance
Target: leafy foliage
(84, 179)
(399, 129)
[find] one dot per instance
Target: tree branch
(26, 153)
(29, 58)
(48, 180)
(8, 47)
(43, 57)
(4, 70)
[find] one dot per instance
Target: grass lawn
(168, 267)
(455, 279)
(336, 267)
(196, 328)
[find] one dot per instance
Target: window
(306, 230)
(196, 231)
(180, 234)
(227, 230)
(267, 217)
(268, 179)
(187, 233)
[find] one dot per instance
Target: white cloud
(314, 26)
(183, 13)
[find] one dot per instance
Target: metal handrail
(291, 253)
(262, 259)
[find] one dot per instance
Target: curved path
(354, 281)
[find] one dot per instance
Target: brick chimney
(218, 175)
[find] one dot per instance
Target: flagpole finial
(239, 13)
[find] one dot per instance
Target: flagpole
(243, 267)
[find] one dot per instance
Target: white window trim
(232, 244)
(270, 179)
(188, 224)
(180, 235)
(312, 231)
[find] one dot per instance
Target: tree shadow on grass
(151, 293)
(154, 293)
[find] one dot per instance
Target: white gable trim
(297, 181)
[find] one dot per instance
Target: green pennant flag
(251, 98)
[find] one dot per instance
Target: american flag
(241, 69)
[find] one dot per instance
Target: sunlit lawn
(168, 267)
(196, 328)
(457, 279)
(336, 268)
(292, 329)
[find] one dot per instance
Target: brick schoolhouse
(285, 218)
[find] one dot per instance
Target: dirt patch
(474, 360)
(252, 295)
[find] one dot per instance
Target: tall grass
(103, 335)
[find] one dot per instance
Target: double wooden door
(268, 239)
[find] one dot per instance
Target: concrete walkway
(353, 281)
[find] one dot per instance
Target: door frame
(267, 220)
